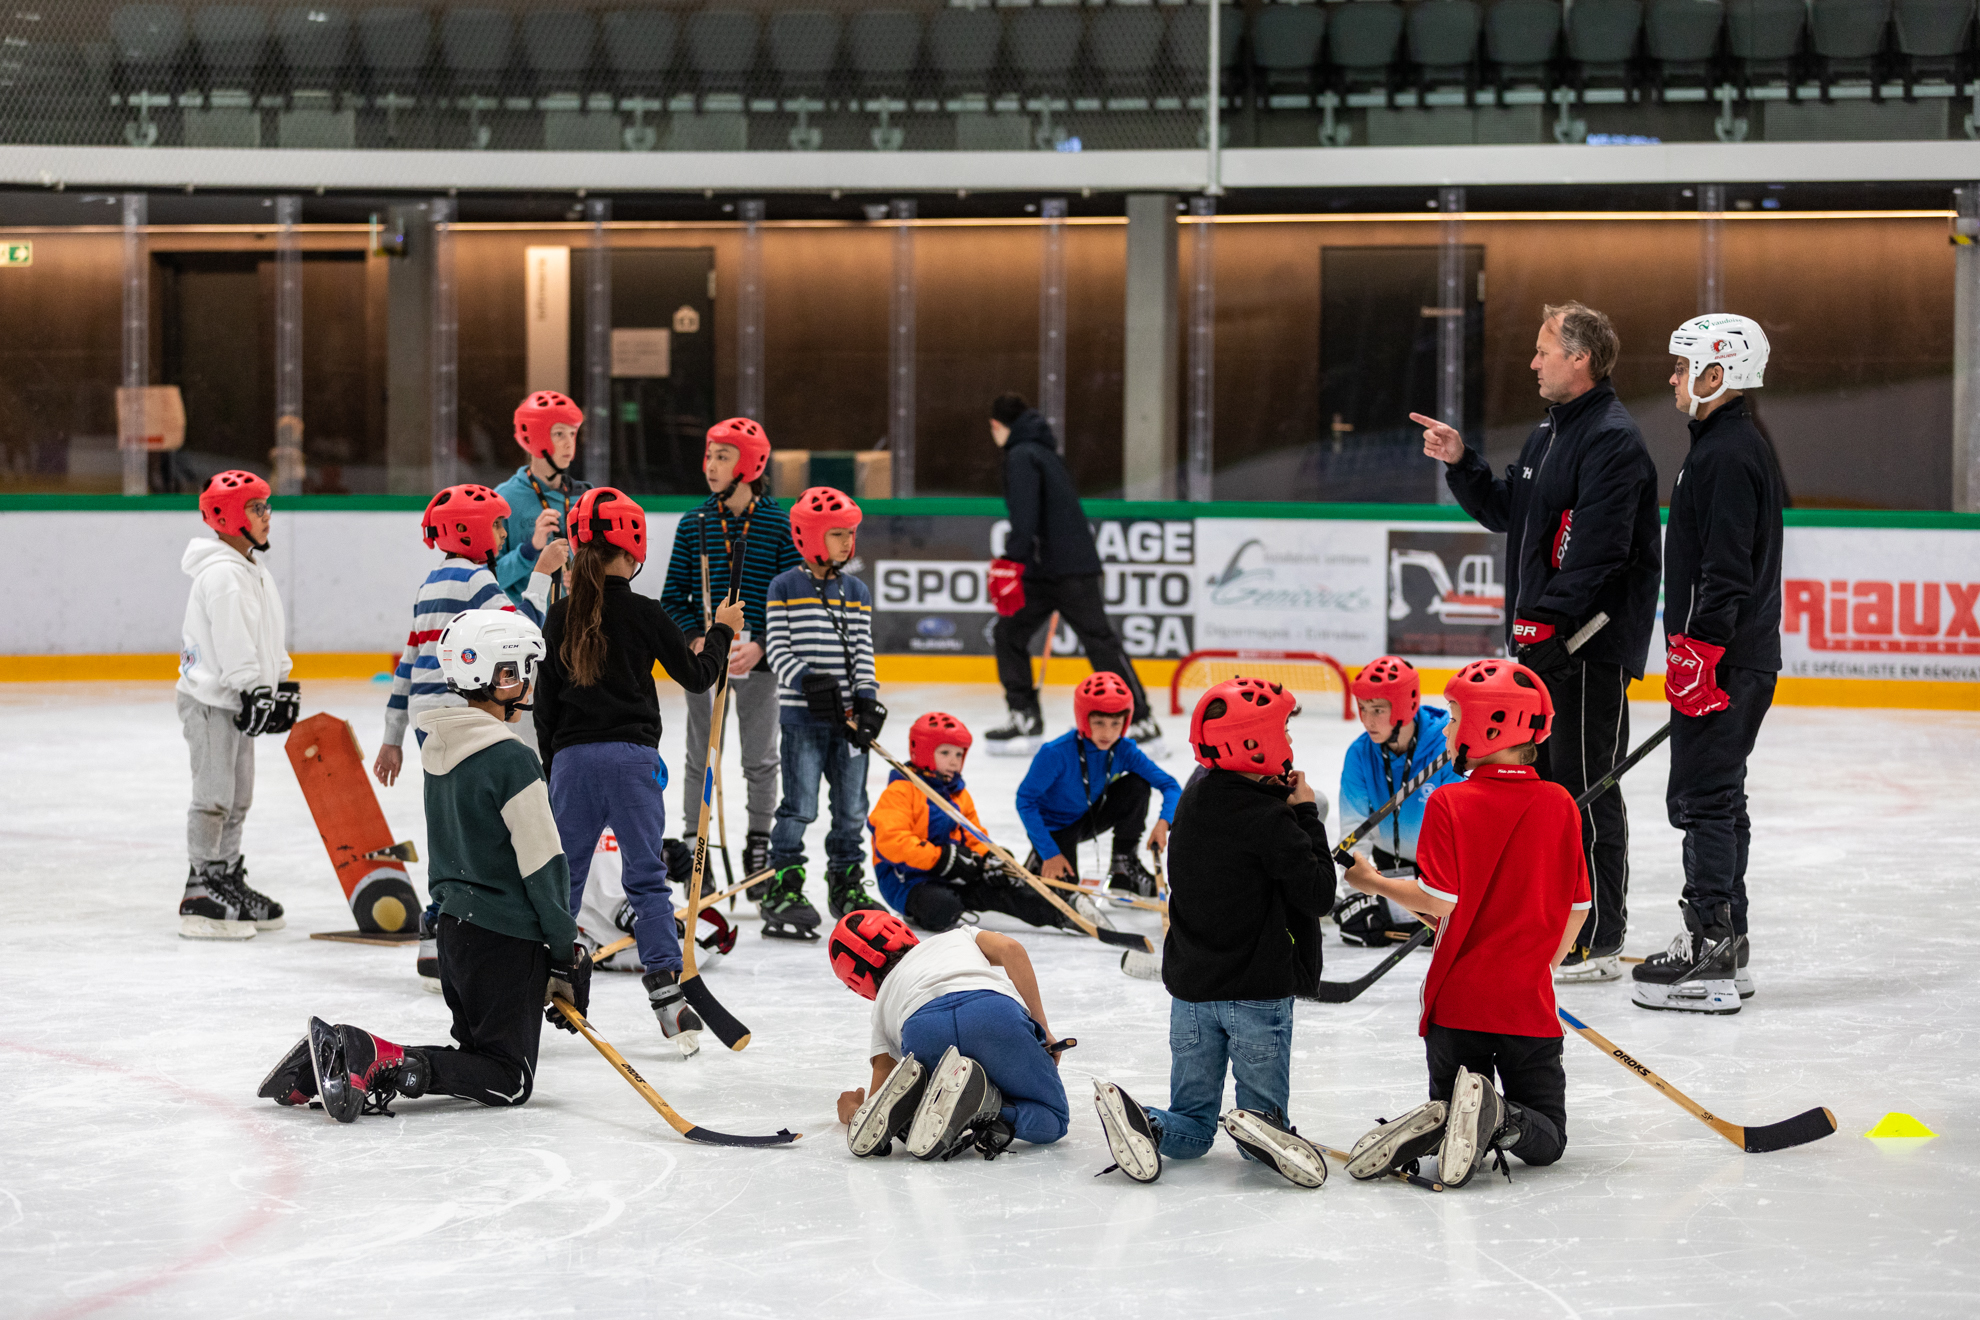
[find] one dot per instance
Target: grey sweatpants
(222, 781)
(753, 703)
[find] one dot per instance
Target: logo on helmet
(467, 655)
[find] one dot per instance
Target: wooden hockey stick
(692, 1132)
(1797, 1131)
(1118, 938)
(1413, 1179)
(1045, 661)
(1118, 900)
(722, 738)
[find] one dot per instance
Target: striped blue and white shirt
(822, 626)
(458, 584)
(709, 530)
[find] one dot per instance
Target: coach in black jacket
(1579, 510)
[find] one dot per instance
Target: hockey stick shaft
(1045, 661)
(1799, 1130)
(653, 1098)
(1413, 1179)
(1118, 900)
(1121, 939)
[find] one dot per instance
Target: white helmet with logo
(476, 643)
(1736, 343)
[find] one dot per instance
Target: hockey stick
(1118, 938)
(1045, 661)
(1344, 850)
(1413, 1179)
(1797, 1131)
(621, 945)
(1118, 900)
(721, 739)
(689, 1130)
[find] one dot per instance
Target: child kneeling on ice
(1504, 879)
(969, 998)
(1250, 876)
(506, 939)
(929, 869)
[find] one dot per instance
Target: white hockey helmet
(476, 643)
(1736, 343)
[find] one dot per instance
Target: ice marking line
(285, 1179)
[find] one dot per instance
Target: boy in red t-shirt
(1503, 877)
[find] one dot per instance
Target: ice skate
(755, 860)
(1127, 873)
(1584, 966)
(886, 1114)
(1696, 974)
(678, 1022)
(427, 964)
(786, 915)
(1021, 735)
(1277, 1146)
(263, 911)
(1398, 1145)
(1743, 979)
(293, 1080)
(210, 909)
(959, 1097)
(359, 1073)
(1132, 1137)
(1471, 1130)
(845, 892)
(1147, 735)
(1089, 907)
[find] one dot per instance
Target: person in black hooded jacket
(1579, 510)
(1049, 565)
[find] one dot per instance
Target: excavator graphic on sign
(1478, 599)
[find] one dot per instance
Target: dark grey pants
(753, 708)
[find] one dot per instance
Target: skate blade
(1142, 966)
(430, 984)
(1590, 973)
(1015, 746)
(938, 1104)
(802, 934)
(212, 928)
(687, 1042)
(1717, 998)
(1374, 1159)
(1136, 1155)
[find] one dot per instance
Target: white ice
(139, 1175)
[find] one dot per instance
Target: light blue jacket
(1371, 776)
(513, 567)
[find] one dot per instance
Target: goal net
(1312, 677)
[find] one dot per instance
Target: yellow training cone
(1899, 1125)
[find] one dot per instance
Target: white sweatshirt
(234, 638)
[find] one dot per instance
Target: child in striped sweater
(819, 625)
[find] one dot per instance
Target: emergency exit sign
(16, 254)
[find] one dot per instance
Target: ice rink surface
(139, 1175)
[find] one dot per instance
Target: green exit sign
(16, 254)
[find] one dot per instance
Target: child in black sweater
(598, 727)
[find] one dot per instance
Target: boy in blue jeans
(1250, 876)
(819, 626)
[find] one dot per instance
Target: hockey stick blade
(1797, 1131)
(1341, 992)
(692, 1131)
(1123, 939)
(721, 1021)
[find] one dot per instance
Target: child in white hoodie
(233, 686)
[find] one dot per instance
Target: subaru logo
(935, 626)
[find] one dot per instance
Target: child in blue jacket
(1403, 736)
(1092, 780)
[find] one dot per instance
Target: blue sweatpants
(1253, 1037)
(622, 785)
(996, 1031)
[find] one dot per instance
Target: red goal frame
(1310, 657)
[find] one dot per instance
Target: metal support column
(444, 401)
(1966, 350)
(597, 430)
(900, 353)
(1213, 107)
(749, 315)
(136, 346)
(287, 457)
(1711, 263)
(1452, 303)
(1148, 394)
(1052, 319)
(1202, 346)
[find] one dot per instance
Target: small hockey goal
(1306, 674)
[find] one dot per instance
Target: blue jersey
(1054, 793)
(1371, 776)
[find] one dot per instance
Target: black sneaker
(1277, 1146)
(845, 891)
(1132, 1137)
(1129, 874)
(959, 1097)
(886, 1114)
(1470, 1131)
(1392, 1146)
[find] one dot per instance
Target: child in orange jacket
(927, 867)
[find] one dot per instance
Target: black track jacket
(1722, 548)
(1049, 535)
(1579, 510)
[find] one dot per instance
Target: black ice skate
(1147, 735)
(1584, 965)
(886, 1114)
(1021, 735)
(293, 1080)
(1697, 973)
(845, 891)
(263, 911)
(1398, 1145)
(1278, 1147)
(678, 1022)
(756, 860)
(960, 1098)
(1129, 874)
(1132, 1138)
(359, 1073)
(786, 914)
(210, 909)
(1471, 1131)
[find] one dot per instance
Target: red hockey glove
(1006, 586)
(1691, 682)
(1540, 648)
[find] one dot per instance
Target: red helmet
(1392, 679)
(1240, 724)
(608, 515)
(538, 413)
(223, 500)
(461, 520)
(1498, 704)
(751, 442)
(816, 512)
(930, 732)
(864, 945)
(1100, 693)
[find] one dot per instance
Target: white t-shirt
(945, 964)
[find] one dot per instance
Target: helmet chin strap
(1692, 409)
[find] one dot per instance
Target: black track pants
(1080, 605)
(937, 904)
(494, 985)
(1591, 733)
(1530, 1075)
(1121, 807)
(1707, 794)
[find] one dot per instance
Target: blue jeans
(623, 785)
(996, 1031)
(1254, 1036)
(809, 751)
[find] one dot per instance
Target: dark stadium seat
(1362, 41)
(1124, 43)
(233, 43)
(1443, 39)
(1521, 37)
(1285, 46)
